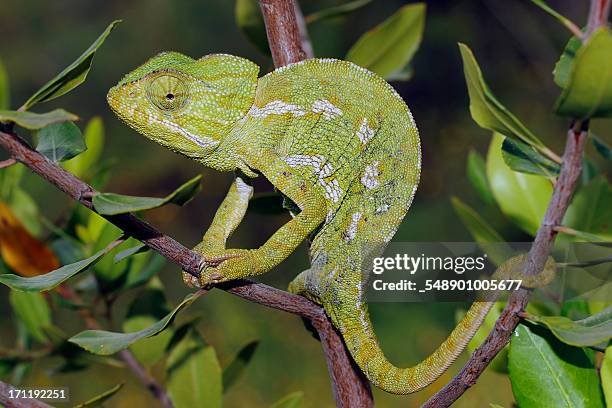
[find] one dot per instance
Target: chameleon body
(334, 138)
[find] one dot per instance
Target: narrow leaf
(482, 232)
(105, 342)
(591, 209)
(588, 93)
(521, 197)
(546, 373)
(194, 374)
(31, 120)
(389, 47)
(523, 158)
(293, 400)
(336, 11)
(50, 280)
(100, 399)
(82, 165)
(72, 76)
(602, 148)
(593, 330)
(33, 311)
(236, 368)
(486, 110)
(130, 251)
(477, 175)
(563, 67)
(111, 204)
(60, 141)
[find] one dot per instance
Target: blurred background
(516, 45)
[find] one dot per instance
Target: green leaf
(82, 165)
(236, 367)
(486, 110)
(337, 11)
(293, 400)
(100, 399)
(33, 311)
(523, 158)
(593, 330)
(389, 47)
(138, 277)
(546, 373)
(588, 93)
(194, 374)
(477, 175)
(72, 76)
(50, 280)
(33, 121)
(591, 209)
(602, 148)
(60, 141)
(482, 232)
(562, 19)
(105, 342)
(111, 204)
(144, 311)
(606, 376)
(139, 249)
(563, 68)
(250, 21)
(521, 197)
(5, 95)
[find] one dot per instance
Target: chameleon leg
(226, 220)
(237, 264)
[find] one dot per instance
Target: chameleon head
(184, 104)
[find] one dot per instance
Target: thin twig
(539, 252)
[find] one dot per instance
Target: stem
(540, 249)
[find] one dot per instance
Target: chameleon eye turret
(168, 91)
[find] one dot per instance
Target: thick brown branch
(539, 251)
(283, 31)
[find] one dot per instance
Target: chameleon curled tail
(359, 337)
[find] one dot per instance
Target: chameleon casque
(331, 136)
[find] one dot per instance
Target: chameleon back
(353, 138)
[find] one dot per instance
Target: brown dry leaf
(22, 252)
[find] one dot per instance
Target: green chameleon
(334, 138)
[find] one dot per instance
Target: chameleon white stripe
(365, 132)
(370, 176)
(323, 172)
(325, 107)
(200, 141)
(276, 108)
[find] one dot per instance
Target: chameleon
(335, 139)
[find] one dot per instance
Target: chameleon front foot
(231, 265)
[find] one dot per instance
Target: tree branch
(6, 401)
(349, 386)
(539, 251)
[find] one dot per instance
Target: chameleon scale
(333, 137)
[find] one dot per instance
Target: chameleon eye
(168, 92)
